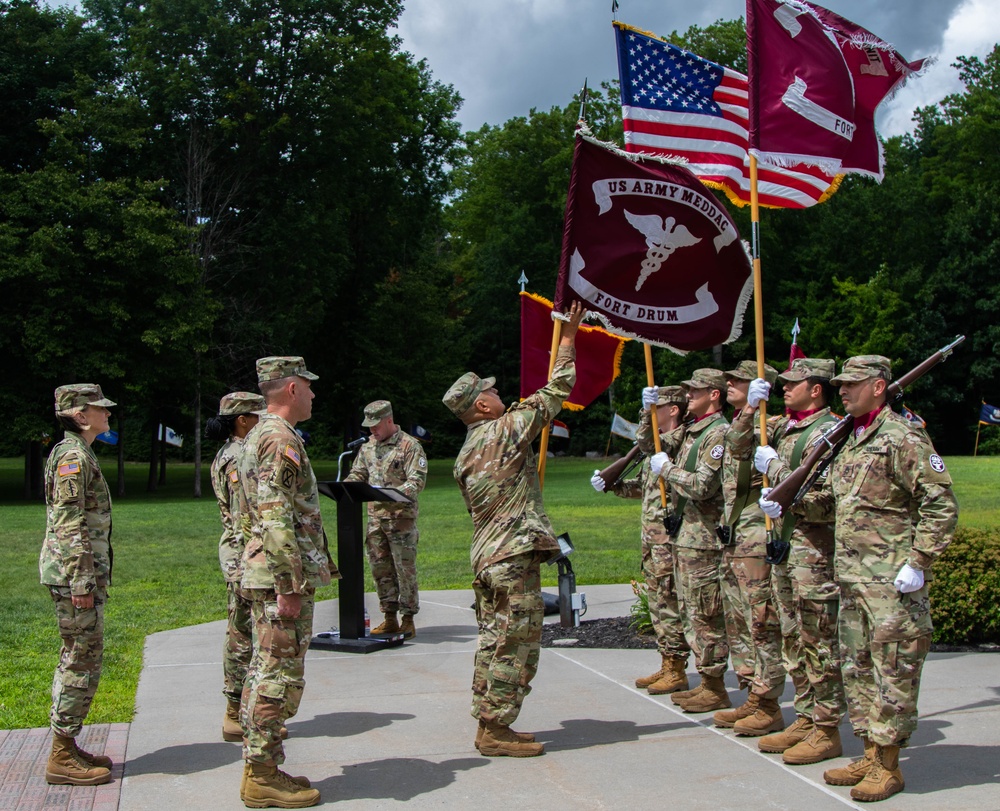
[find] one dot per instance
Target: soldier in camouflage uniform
(238, 413)
(392, 458)
(497, 472)
(285, 560)
(75, 565)
(690, 465)
(752, 620)
(805, 584)
(894, 514)
(658, 567)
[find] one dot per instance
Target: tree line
(187, 186)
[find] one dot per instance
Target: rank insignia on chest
(234, 477)
(69, 469)
(293, 454)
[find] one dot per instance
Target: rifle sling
(744, 492)
(689, 465)
(788, 521)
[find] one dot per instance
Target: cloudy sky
(507, 56)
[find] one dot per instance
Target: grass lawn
(166, 571)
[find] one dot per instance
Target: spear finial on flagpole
(583, 103)
(795, 332)
(523, 280)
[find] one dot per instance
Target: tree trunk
(163, 457)
(33, 471)
(153, 438)
(197, 428)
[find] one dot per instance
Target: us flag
(678, 104)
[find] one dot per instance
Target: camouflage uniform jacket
(741, 443)
(497, 472)
(287, 549)
(76, 552)
(702, 487)
(893, 501)
(398, 462)
(232, 509)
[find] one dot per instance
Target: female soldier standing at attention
(75, 565)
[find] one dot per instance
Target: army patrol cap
(803, 368)
(80, 395)
(464, 391)
(277, 368)
(861, 367)
(376, 412)
(670, 395)
(706, 379)
(241, 402)
(747, 370)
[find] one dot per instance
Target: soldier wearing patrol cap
(805, 584)
(285, 560)
(392, 458)
(657, 553)
(75, 565)
(690, 466)
(239, 411)
(497, 472)
(894, 514)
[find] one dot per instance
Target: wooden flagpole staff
(543, 446)
(653, 418)
(758, 305)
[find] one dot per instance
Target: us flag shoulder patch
(293, 454)
(69, 469)
(234, 477)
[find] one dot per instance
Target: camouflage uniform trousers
(700, 580)
(393, 560)
(753, 624)
(665, 609)
(238, 646)
(884, 639)
(79, 670)
(509, 610)
(274, 685)
(809, 602)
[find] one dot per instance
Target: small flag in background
(108, 437)
(420, 433)
(913, 417)
(989, 415)
(560, 429)
(171, 438)
(623, 428)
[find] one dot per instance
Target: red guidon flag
(650, 251)
(598, 355)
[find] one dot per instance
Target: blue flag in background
(989, 415)
(108, 437)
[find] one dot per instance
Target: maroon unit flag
(598, 355)
(650, 251)
(816, 80)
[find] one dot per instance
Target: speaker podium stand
(350, 496)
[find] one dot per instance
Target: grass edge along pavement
(167, 576)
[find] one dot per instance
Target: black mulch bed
(616, 632)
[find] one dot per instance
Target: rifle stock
(823, 451)
(613, 472)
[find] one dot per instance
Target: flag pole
(543, 447)
(975, 450)
(758, 303)
(652, 415)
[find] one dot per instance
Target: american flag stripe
(677, 104)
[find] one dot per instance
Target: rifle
(617, 469)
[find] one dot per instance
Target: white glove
(772, 509)
(909, 579)
(597, 481)
(659, 461)
(758, 390)
(650, 395)
(763, 457)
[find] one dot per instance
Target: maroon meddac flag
(815, 81)
(651, 251)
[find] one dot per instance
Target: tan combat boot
(766, 718)
(390, 625)
(712, 696)
(822, 743)
(883, 779)
(407, 628)
(673, 678)
(302, 781)
(231, 729)
(684, 695)
(787, 738)
(525, 737)
(266, 786)
(93, 760)
(855, 771)
(726, 718)
(644, 681)
(67, 768)
(500, 741)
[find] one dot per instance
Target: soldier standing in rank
(805, 585)
(658, 567)
(894, 514)
(497, 472)
(752, 619)
(285, 560)
(392, 458)
(238, 413)
(75, 565)
(690, 466)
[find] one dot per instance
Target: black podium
(350, 497)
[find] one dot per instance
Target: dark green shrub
(642, 622)
(965, 591)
